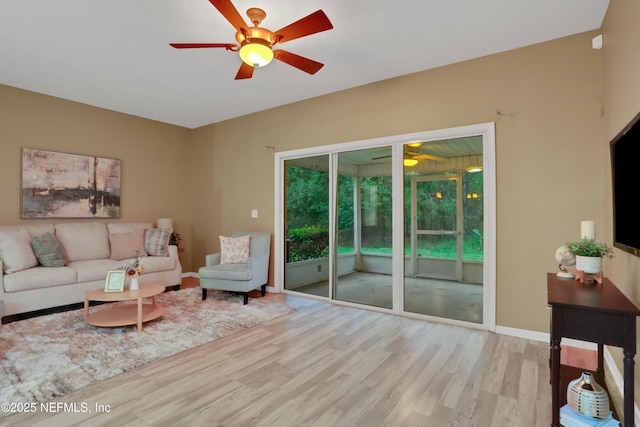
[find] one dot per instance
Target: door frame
(457, 177)
(486, 130)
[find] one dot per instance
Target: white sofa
(90, 250)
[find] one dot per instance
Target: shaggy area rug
(49, 356)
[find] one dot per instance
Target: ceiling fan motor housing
(255, 33)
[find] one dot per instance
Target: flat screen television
(625, 177)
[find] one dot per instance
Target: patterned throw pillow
(156, 241)
(48, 250)
(234, 250)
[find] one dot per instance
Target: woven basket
(587, 397)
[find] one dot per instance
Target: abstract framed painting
(61, 185)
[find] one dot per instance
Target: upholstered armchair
(235, 273)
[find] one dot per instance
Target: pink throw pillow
(125, 245)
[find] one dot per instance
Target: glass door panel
(364, 228)
(443, 238)
(306, 221)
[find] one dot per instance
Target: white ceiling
(115, 54)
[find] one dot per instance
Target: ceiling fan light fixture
(256, 52)
(410, 162)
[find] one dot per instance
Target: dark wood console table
(595, 313)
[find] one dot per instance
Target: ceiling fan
(255, 44)
(411, 158)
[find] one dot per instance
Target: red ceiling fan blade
(307, 65)
(245, 72)
(311, 24)
(229, 11)
(227, 46)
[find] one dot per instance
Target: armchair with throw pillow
(241, 266)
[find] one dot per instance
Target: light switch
(254, 213)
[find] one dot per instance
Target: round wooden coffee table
(124, 314)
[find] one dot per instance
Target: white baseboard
(190, 274)
(616, 376)
(523, 333)
(544, 336)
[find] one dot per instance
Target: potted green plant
(174, 239)
(589, 254)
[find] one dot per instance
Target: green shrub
(307, 243)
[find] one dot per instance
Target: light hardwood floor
(327, 365)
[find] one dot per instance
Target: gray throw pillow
(48, 250)
(156, 241)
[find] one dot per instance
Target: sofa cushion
(156, 241)
(125, 245)
(37, 229)
(234, 250)
(83, 240)
(94, 269)
(38, 278)
(16, 251)
(155, 264)
(48, 250)
(127, 227)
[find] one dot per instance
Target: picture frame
(115, 281)
(62, 185)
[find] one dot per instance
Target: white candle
(588, 229)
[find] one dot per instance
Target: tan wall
(154, 155)
(621, 34)
(549, 96)
(549, 135)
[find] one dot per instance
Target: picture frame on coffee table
(114, 281)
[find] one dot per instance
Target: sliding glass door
(343, 213)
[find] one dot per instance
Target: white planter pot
(588, 264)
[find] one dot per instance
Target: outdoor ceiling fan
(411, 158)
(255, 44)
